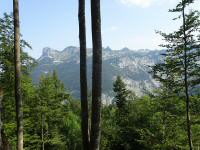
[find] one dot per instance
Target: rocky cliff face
(133, 66)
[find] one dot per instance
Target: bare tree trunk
(187, 97)
(83, 75)
(18, 96)
(164, 128)
(6, 144)
(1, 123)
(42, 132)
(96, 75)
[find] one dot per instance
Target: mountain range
(132, 65)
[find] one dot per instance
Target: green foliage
(121, 96)
(52, 116)
(119, 129)
(152, 123)
(54, 123)
(7, 74)
(48, 105)
(182, 54)
(179, 73)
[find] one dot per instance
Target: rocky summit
(132, 65)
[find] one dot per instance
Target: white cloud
(141, 3)
(148, 3)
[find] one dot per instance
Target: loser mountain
(133, 66)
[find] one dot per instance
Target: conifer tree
(51, 98)
(7, 74)
(119, 87)
(180, 69)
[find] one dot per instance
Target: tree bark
(18, 95)
(42, 132)
(187, 97)
(96, 75)
(83, 75)
(6, 144)
(1, 123)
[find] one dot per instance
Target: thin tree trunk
(6, 144)
(1, 123)
(164, 128)
(18, 96)
(187, 98)
(83, 75)
(42, 132)
(96, 75)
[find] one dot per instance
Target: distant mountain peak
(46, 51)
(125, 49)
(107, 48)
(71, 48)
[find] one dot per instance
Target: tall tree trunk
(164, 128)
(6, 144)
(1, 123)
(42, 132)
(96, 75)
(83, 75)
(18, 95)
(187, 97)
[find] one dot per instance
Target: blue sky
(125, 23)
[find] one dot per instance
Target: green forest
(45, 116)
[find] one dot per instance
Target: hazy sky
(125, 23)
